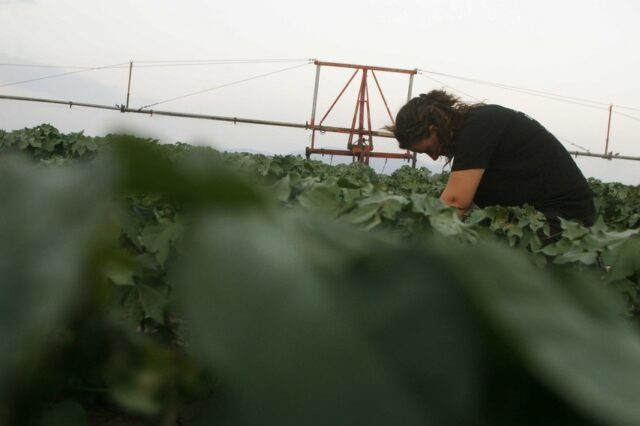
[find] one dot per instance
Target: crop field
(143, 283)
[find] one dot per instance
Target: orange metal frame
(360, 143)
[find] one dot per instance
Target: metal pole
(410, 87)
(355, 113)
(313, 109)
(605, 157)
(129, 85)
(363, 89)
(151, 112)
(369, 123)
(368, 67)
(409, 94)
(315, 96)
(383, 98)
(606, 144)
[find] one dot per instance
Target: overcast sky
(585, 49)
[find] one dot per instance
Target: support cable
(626, 115)
(61, 75)
(449, 86)
(207, 62)
(178, 63)
(167, 64)
(574, 144)
(534, 93)
(225, 61)
(547, 95)
(529, 91)
(44, 66)
(223, 85)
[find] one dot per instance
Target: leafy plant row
(171, 283)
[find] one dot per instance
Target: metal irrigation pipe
(150, 112)
(123, 109)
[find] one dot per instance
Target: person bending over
(498, 156)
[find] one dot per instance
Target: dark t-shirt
(523, 163)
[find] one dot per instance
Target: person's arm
(461, 188)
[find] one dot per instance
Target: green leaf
(627, 264)
(136, 399)
(555, 249)
(514, 231)
(143, 167)
(422, 203)
(66, 413)
(285, 352)
(158, 239)
(389, 205)
(48, 220)
(350, 197)
(572, 230)
(155, 301)
(599, 239)
(447, 223)
(476, 216)
(362, 214)
(348, 182)
(577, 255)
(120, 274)
(400, 314)
(282, 189)
(586, 355)
(121, 269)
(322, 199)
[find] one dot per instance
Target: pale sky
(584, 49)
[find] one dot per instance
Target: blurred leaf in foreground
(48, 219)
(306, 328)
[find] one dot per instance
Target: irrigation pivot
(360, 144)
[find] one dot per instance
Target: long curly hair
(438, 108)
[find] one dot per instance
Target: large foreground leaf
(569, 334)
(322, 325)
(286, 354)
(47, 221)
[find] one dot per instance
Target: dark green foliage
(46, 143)
(618, 204)
(173, 284)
